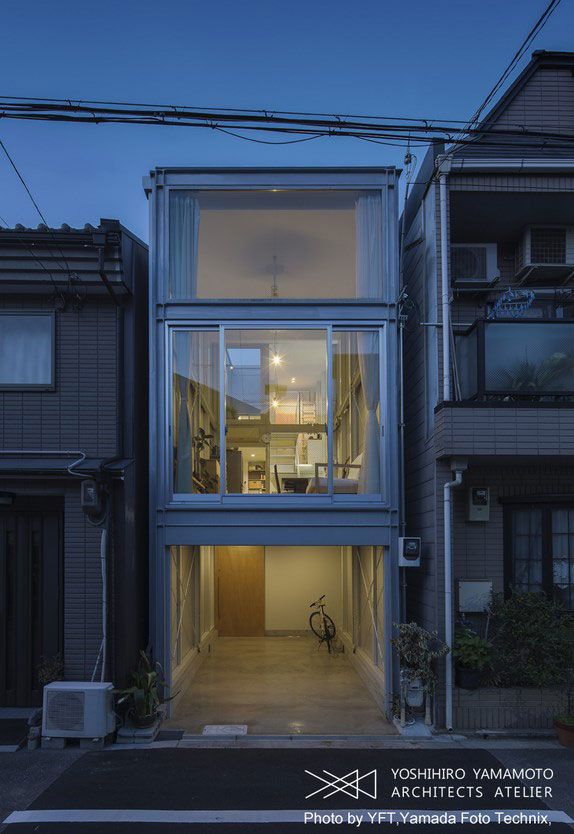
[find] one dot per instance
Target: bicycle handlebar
(317, 602)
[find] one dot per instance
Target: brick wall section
(82, 412)
(504, 431)
(507, 709)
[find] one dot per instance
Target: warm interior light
(274, 402)
(276, 359)
(292, 380)
(252, 456)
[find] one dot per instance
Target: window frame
(41, 386)
(545, 506)
(251, 184)
(222, 498)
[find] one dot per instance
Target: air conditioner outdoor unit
(473, 263)
(545, 252)
(76, 709)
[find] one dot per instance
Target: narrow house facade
(489, 271)
(273, 419)
(73, 456)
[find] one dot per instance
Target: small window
(26, 350)
(540, 555)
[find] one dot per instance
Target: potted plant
(418, 649)
(472, 655)
(564, 722)
(143, 698)
(564, 725)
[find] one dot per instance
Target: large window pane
(529, 358)
(275, 409)
(275, 244)
(195, 391)
(26, 350)
(563, 556)
(527, 550)
(356, 415)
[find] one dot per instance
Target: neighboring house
(73, 433)
(273, 411)
(498, 418)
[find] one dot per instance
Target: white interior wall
(294, 577)
(207, 589)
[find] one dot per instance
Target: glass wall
(301, 410)
(275, 409)
(356, 421)
(195, 414)
(275, 244)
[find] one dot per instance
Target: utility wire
(368, 127)
(534, 31)
(58, 293)
(38, 209)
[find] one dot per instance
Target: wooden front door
(241, 591)
(31, 599)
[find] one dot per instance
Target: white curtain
(369, 248)
(183, 244)
(185, 388)
(368, 350)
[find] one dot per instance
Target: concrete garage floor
(278, 686)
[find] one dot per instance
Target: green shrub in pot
(472, 655)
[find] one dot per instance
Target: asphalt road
(270, 790)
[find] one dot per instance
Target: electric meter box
(409, 552)
(479, 504)
(90, 499)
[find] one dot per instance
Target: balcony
(517, 360)
(515, 380)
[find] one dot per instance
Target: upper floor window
(277, 411)
(26, 350)
(275, 244)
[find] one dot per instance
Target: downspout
(448, 618)
(445, 286)
(444, 168)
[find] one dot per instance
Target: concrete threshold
(373, 742)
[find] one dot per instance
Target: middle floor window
(293, 410)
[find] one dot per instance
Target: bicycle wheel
(322, 625)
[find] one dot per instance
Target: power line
(534, 31)
(58, 293)
(277, 122)
(38, 209)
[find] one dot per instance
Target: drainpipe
(445, 284)
(458, 468)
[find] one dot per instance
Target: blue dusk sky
(422, 59)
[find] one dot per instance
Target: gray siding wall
(82, 412)
(420, 267)
(545, 102)
(504, 431)
(478, 546)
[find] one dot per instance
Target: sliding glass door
(286, 411)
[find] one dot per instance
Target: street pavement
(270, 790)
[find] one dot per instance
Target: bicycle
(321, 624)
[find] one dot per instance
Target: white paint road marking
(238, 817)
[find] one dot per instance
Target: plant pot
(468, 678)
(565, 733)
(142, 720)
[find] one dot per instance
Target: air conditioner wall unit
(545, 247)
(474, 263)
(78, 709)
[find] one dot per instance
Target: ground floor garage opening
(242, 651)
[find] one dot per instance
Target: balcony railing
(516, 360)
